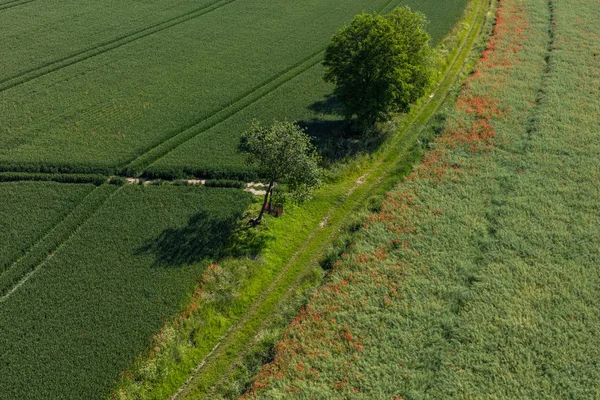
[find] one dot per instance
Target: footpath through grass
(238, 301)
(479, 276)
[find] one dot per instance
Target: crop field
(29, 211)
(124, 94)
(478, 277)
(89, 308)
(91, 271)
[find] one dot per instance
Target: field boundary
(242, 334)
(21, 270)
(103, 47)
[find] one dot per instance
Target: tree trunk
(262, 210)
(270, 202)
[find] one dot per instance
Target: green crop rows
(28, 211)
(93, 304)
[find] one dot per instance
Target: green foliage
(380, 64)
(284, 154)
(224, 183)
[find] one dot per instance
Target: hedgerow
(224, 183)
(54, 177)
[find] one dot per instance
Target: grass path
(217, 366)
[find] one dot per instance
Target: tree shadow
(334, 138)
(207, 236)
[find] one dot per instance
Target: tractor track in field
(237, 105)
(14, 3)
(428, 110)
(106, 46)
(44, 249)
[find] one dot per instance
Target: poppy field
(478, 276)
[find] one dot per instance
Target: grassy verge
(293, 246)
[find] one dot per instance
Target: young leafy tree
(284, 154)
(380, 64)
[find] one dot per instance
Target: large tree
(380, 64)
(283, 153)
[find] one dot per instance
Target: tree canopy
(380, 64)
(283, 153)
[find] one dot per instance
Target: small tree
(283, 153)
(379, 64)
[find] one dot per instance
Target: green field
(478, 276)
(29, 211)
(92, 306)
(90, 272)
(126, 103)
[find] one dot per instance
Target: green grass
(130, 105)
(29, 210)
(107, 285)
(478, 277)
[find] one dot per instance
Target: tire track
(41, 252)
(103, 47)
(14, 3)
(136, 166)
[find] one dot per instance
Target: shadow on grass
(333, 136)
(207, 236)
